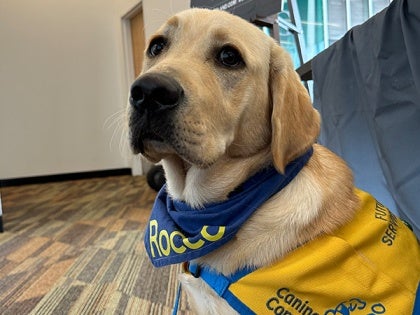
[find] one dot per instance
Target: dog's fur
(230, 123)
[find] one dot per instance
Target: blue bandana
(177, 233)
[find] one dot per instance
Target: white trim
(133, 10)
(325, 24)
(348, 14)
(370, 8)
(311, 28)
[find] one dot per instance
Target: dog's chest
(369, 266)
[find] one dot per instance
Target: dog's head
(214, 85)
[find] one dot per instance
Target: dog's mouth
(141, 131)
(153, 137)
(158, 136)
(142, 141)
(138, 143)
(156, 145)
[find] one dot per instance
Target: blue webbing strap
(220, 284)
(177, 299)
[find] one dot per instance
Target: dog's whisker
(118, 112)
(117, 116)
(115, 131)
(117, 122)
(123, 145)
(171, 6)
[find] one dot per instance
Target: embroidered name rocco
(166, 242)
(178, 232)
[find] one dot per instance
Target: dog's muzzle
(154, 99)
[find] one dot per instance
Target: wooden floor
(77, 248)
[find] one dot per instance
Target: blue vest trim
(237, 305)
(416, 310)
(220, 284)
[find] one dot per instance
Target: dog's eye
(229, 57)
(156, 46)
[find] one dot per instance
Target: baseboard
(63, 177)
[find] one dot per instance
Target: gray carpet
(77, 248)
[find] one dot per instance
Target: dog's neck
(198, 186)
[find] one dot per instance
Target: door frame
(139, 166)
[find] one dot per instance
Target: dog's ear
(295, 123)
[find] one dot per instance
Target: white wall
(158, 11)
(63, 73)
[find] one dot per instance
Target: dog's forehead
(205, 17)
(216, 23)
(207, 28)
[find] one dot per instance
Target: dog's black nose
(155, 92)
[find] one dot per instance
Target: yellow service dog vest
(369, 266)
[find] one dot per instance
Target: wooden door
(137, 40)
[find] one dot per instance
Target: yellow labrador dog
(268, 221)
